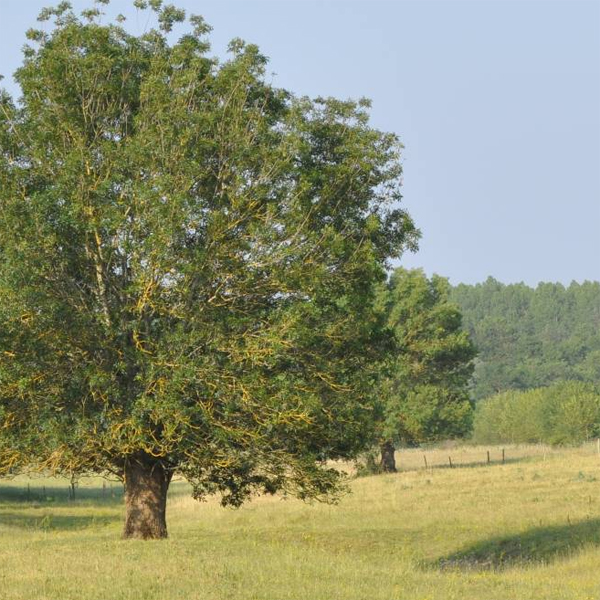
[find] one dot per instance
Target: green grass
(525, 530)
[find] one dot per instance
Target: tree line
(566, 412)
(531, 337)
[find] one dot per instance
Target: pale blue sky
(497, 103)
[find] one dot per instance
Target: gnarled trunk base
(146, 485)
(388, 459)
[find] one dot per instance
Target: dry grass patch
(528, 529)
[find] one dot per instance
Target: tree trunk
(146, 485)
(388, 460)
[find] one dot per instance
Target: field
(528, 529)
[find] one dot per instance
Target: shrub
(565, 413)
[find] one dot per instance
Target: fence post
(73, 483)
(450, 462)
(425, 460)
(488, 457)
(502, 455)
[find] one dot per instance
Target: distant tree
(187, 266)
(425, 396)
(530, 338)
(567, 412)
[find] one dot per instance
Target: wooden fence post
(425, 460)
(450, 462)
(72, 487)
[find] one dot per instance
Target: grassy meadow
(528, 529)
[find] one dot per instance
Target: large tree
(187, 264)
(425, 395)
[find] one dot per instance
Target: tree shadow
(50, 521)
(33, 493)
(59, 495)
(536, 546)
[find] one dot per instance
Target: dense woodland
(528, 338)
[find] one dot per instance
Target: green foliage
(188, 258)
(425, 395)
(564, 413)
(529, 338)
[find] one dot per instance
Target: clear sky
(496, 102)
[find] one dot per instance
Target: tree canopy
(425, 395)
(188, 257)
(531, 337)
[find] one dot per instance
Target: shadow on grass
(59, 495)
(51, 521)
(540, 545)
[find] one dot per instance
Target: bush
(564, 413)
